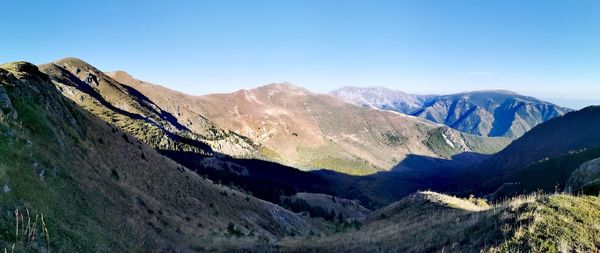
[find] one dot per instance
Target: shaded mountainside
(433, 222)
(545, 157)
(312, 131)
(100, 189)
(485, 113)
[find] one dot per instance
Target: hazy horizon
(545, 49)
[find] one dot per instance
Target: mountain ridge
(299, 126)
(487, 112)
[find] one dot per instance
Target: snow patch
(448, 141)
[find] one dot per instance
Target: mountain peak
(19, 69)
(285, 87)
(120, 74)
(19, 66)
(72, 61)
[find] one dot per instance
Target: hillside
(485, 113)
(220, 155)
(312, 131)
(130, 110)
(544, 158)
(433, 222)
(100, 189)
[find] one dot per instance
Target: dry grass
(433, 222)
(30, 232)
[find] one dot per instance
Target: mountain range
(313, 131)
(94, 161)
(485, 113)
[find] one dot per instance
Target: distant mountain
(485, 113)
(313, 131)
(382, 98)
(545, 157)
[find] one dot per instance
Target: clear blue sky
(543, 48)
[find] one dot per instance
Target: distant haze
(573, 103)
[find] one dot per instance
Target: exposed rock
(7, 111)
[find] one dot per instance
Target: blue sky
(543, 48)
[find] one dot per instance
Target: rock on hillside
(486, 113)
(586, 178)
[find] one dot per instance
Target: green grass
(32, 166)
(558, 223)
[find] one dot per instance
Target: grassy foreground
(432, 222)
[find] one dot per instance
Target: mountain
(313, 131)
(73, 183)
(485, 113)
(382, 98)
(130, 110)
(213, 152)
(544, 157)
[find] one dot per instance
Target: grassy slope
(101, 190)
(431, 222)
